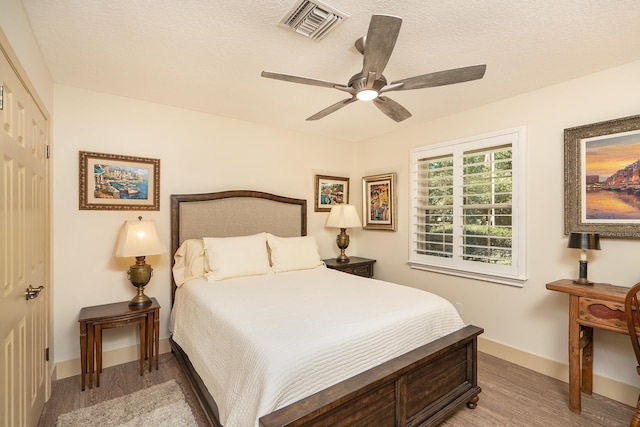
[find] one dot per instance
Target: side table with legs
(599, 306)
(94, 319)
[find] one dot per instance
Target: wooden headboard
(234, 213)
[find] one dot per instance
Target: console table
(590, 306)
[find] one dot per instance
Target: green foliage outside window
(487, 210)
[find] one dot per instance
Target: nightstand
(96, 318)
(356, 265)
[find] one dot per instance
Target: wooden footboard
(420, 388)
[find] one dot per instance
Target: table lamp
(343, 216)
(139, 239)
(584, 242)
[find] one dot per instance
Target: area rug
(161, 405)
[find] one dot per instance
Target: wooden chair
(632, 313)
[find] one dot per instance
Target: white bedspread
(262, 342)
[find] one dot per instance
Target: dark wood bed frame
(419, 388)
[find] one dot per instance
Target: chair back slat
(632, 314)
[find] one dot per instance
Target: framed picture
(379, 202)
(602, 178)
(113, 182)
(330, 190)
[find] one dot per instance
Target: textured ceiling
(207, 55)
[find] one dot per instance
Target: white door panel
(24, 253)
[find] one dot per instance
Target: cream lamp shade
(139, 239)
(343, 216)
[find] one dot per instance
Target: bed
(422, 385)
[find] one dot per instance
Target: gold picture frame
(115, 182)
(379, 202)
(329, 191)
(601, 181)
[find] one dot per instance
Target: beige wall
(200, 152)
(531, 318)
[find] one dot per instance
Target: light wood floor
(511, 396)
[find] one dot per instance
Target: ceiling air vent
(312, 19)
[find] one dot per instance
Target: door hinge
(48, 152)
(46, 354)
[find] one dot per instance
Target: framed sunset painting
(602, 178)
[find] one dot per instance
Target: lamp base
(582, 276)
(139, 274)
(583, 282)
(140, 300)
(343, 243)
(342, 257)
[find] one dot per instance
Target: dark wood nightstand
(94, 319)
(356, 265)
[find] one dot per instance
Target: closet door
(24, 252)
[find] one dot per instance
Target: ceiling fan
(370, 84)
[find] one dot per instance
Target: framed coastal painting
(115, 182)
(379, 201)
(329, 191)
(602, 178)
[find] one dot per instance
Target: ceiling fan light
(367, 94)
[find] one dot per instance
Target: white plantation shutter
(433, 215)
(467, 207)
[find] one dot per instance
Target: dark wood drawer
(356, 265)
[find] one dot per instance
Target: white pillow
(293, 253)
(190, 261)
(237, 256)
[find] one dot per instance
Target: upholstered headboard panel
(234, 213)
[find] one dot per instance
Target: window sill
(511, 281)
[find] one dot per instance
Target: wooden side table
(356, 265)
(94, 319)
(590, 306)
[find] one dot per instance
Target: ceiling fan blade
(332, 108)
(391, 108)
(441, 78)
(301, 80)
(379, 43)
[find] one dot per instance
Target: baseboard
(621, 392)
(70, 368)
(607, 387)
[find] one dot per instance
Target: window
(468, 206)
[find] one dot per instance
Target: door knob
(32, 293)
